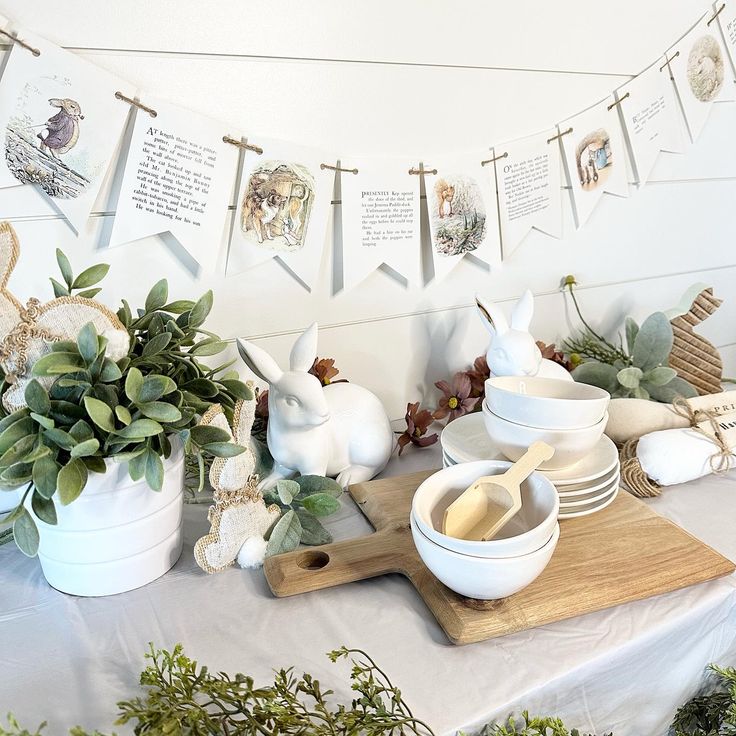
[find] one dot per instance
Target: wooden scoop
(493, 500)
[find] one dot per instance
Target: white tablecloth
(68, 660)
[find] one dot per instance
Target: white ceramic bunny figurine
(340, 430)
(513, 351)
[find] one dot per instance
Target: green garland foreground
(184, 699)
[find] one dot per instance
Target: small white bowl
(570, 445)
(529, 530)
(548, 403)
(483, 578)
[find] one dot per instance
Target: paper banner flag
(700, 72)
(727, 24)
(528, 182)
(380, 219)
(595, 157)
(178, 179)
(283, 208)
(463, 212)
(649, 110)
(61, 125)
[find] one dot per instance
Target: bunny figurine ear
(259, 361)
(521, 316)
(493, 318)
(304, 351)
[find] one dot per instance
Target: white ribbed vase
(118, 535)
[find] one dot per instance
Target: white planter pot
(118, 535)
(10, 499)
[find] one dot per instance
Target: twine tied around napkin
(14, 346)
(637, 480)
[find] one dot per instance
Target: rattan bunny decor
(28, 332)
(239, 517)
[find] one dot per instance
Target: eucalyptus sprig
(128, 410)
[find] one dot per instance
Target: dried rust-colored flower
(456, 400)
(262, 405)
(324, 369)
(479, 374)
(550, 352)
(418, 422)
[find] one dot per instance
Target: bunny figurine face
(340, 430)
(513, 351)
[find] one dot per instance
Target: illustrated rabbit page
(649, 110)
(178, 179)
(529, 191)
(595, 157)
(463, 216)
(702, 74)
(283, 208)
(380, 219)
(60, 124)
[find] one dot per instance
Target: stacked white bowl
(569, 416)
(499, 567)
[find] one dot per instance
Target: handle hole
(313, 560)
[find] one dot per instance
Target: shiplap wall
(415, 77)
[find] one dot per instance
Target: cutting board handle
(314, 568)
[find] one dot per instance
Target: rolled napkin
(670, 456)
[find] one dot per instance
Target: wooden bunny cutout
(26, 333)
(340, 430)
(693, 357)
(513, 351)
(240, 518)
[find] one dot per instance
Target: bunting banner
(283, 208)
(380, 219)
(463, 214)
(594, 156)
(178, 179)
(649, 111)
(528, 177)
(61, 124)
(698, 67)
(62, 121)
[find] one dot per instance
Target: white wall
(409, 77)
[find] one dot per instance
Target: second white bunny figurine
(513, 351)
(340, 430)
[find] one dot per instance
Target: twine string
(14, 346)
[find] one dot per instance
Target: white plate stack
(584, 488)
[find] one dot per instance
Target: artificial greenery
(303, 501)
(639, 369)
(129, 410)
(181, 697)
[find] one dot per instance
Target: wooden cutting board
(623, 553)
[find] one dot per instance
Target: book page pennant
(650, 114)
(594, 156)
(463, 211)
(60, 124)
(380, 219)
(283, 207)
(528, 182)
(699, 69)
(178, 178)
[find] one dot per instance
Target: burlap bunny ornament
(239, 518)
(26, 333)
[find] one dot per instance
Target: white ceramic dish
(586, 511)
(483, 578)
(529, 530)
(592, 499)
(547, 403)
(570, 493)
(466, 440)
(601, 460)
(571, 445)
